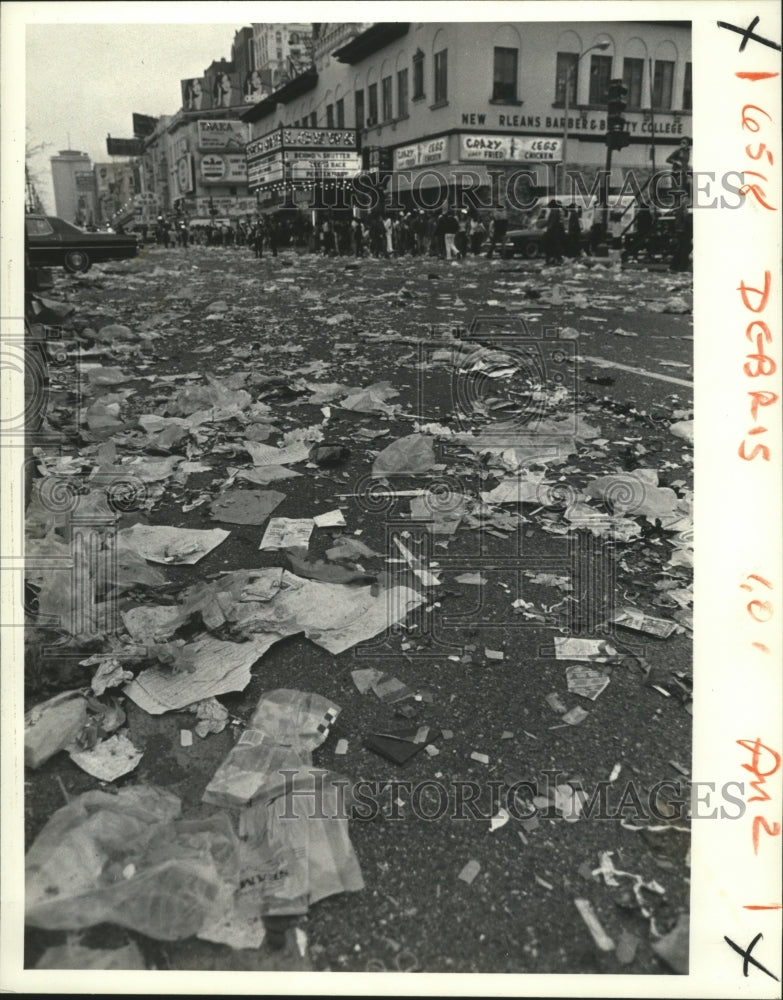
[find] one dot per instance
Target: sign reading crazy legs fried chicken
(514, 148)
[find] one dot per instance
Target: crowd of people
(450, 234)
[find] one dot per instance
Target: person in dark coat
(683, 234)
(573, 240)
(554, 237)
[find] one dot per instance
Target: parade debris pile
(193, 574)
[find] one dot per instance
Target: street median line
(603, 363)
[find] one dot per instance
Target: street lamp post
(572, 70)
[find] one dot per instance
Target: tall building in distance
(331, 36)
(281, 52)
(74, 187)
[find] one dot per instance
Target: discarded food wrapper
(470, 871)
(287, 533)
(585, 681)
(109, 759)
(598, 934)
(285, 728)
(164, 544)
(127, 859)
(482, 758)
(638, 621)
(568, 648)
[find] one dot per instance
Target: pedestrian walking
(450, 227)
(497, 233)
(357, 241)
(573, 240)
(274, 234)
(258, 240)
(554, 236)
(683, 234)
(478, 233)
(389, 237)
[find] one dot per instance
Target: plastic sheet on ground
(407, 456)
(295, 850)
(74, 956)
(52, 726)
(164, 544)
(265, 455)
(262, 475)
(126, 859)
(372, 399)
(285, 728)
(245, 506)
(634, 493)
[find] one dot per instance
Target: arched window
(634, 73)
(569, 48)
(663, 76)
(505, 65)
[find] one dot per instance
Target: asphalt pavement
(606, 352)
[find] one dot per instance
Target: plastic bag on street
(285, 728)
(126, 859)
(407, 456)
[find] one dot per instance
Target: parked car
(52, 242)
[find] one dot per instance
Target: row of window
(505, 86)
(633, 74)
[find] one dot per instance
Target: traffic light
(616, 135)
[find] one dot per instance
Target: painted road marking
(603, 363)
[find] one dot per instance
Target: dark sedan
(51, 242)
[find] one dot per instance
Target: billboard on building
(302, 154)
(123, 147)
(228, 135)
(510, 148)
(208, 93)
(183, 180)
(420, 154)
(230, 168)
(143, 125)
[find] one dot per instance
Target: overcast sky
(86, 80)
